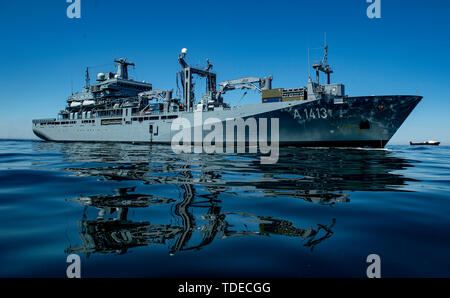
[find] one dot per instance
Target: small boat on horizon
(426, 143)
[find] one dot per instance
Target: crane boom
(246, 83)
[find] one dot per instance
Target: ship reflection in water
(215, 194)
(118, 234)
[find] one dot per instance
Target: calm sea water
(143, 211)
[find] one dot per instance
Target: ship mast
(122, 71)
(323, 66)
(87, 78)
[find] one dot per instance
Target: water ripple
(221, 214)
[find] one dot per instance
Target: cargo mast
(186, 79)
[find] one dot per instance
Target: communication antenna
(87, 78)
(309, 67)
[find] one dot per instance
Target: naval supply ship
(119, 109)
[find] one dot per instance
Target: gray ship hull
(368, 121)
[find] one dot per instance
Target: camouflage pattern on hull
(369, 121)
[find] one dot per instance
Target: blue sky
(44, 53)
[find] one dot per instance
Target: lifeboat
(88, 103)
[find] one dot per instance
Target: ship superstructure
(119, 109)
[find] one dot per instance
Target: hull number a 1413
(312, 113)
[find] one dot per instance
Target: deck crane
(246, 83)
(164, 95)
(251, 83)
(212, 99)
